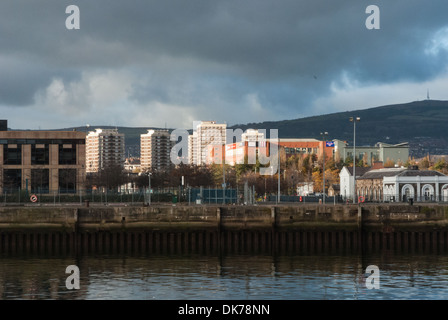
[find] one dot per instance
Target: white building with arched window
(403, 184)
(419, 185)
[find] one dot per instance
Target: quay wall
(208, 228)
(262, 217)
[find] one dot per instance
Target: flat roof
(28, 134)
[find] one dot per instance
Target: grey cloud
(191, 52)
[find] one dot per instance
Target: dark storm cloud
(266, 40)
(186, 52)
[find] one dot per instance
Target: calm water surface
(230, 276)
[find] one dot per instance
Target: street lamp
(272, 181)
(223, 177)
(278, 183)
(149, 190)
(354, 120)
(324, 135)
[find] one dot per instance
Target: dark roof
(381, 173)
(421, 173)
(359, 170)
(402, 172)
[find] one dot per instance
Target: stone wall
(176, 218)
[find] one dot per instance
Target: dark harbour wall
(209, 229)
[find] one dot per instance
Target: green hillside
(424, 124)
(393, 123)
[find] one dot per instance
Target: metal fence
(83, 196)
(212, 196)
(401, 198)
(201, 195)
(136, 196)
(305, 199)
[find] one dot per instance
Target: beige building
(370, 184)
(205, 133)
(192, 148)
(155, 149)
(105, 148)
(132, 165)
(379, 152)
(42, 161)
(252, 135)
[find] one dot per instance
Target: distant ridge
(393, 123)
(423, 124)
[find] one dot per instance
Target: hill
(423, 124)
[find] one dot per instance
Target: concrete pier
(284, 228)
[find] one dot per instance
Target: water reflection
(225, 276)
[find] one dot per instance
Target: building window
(12, 180)
(67, 154)
(40, 154)
(12, 155)
(67, 180)
(40, 182)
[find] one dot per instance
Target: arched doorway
(444, 193)
(407, 192)
(428, 192)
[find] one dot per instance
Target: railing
(388, 198)
(23, 197)
(206, 195)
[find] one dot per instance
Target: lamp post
(223, 175)
(324, 135)
(354, 120)
(278, 184)
(223, 184)
(149, 190)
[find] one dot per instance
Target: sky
(167, 63)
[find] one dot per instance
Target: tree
(109, 178)
(306, 166)
(410, 162)
(389, 163)
(331, 177)
(365, 161)
(424, 164)
(318, 181)
(291, 177)
(348, 162)
(441, 165)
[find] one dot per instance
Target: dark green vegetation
(392, 123)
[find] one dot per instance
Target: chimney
(378, 165)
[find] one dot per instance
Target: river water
(241, 276)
